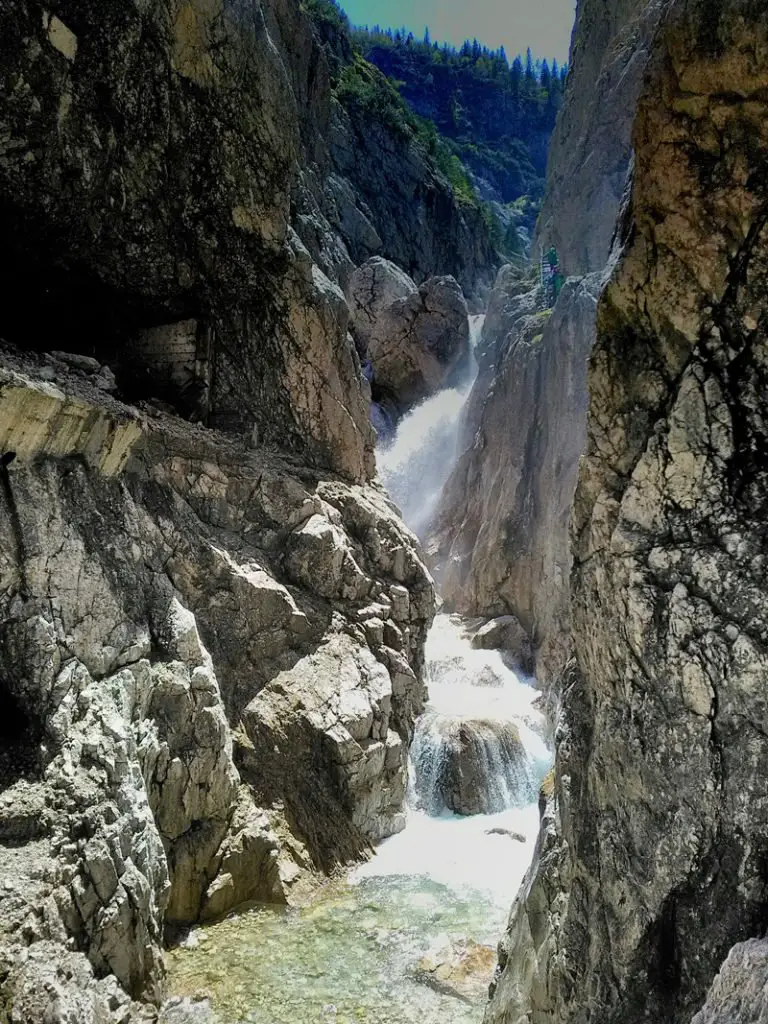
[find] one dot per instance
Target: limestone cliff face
(591, 147)
(651, 860)
(501, 538)
(500, 541)
(165, 589)
(211, 622)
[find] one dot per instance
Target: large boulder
(325, 730)
(470, 767)
(415, 340)
(462, 969)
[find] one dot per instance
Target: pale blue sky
(544, 25)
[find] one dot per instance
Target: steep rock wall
(168, 751)
(651, 860)
(211, 627)
(592, 146)
(500, 542)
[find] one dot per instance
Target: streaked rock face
(651, 858)
(500, 541)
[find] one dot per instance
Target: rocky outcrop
(592, 144)
(156, 577)
(650, 864)
(500, 540)
(433, 233)
(147, 209)
(415, 340)
(740, 991)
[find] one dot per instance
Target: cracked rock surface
(650, 864)
(414, 338)
(164, 596)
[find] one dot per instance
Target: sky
(544, 25)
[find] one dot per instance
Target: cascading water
(416, 463)
(372, 949)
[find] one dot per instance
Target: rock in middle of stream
(470, 767)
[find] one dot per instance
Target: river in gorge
(369, 947)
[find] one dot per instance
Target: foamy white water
(416, 464)
(463, 854)
(478, 852)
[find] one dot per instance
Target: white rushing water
(474, 852)
(416, 464)
(473, 693)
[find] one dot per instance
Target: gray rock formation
(740, 991)
(414, 339)
(432, 233)
(470, 767)
(650, 864)
(592, 145)
(500, 540)
(155, 578)
(506, 634)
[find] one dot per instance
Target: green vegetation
(326, 13)
(361, 85)
(499, 116)
(483, 123)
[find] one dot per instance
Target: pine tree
(516, 76)
(427, 40)
(530, 73)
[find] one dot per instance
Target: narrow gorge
(382, 528)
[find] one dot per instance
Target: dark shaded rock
(651, 859)
(506, 634)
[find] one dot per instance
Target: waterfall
(478, 755)
(478, 748)
(415, 464)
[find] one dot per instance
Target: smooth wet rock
(517, 837)
(470, 767)
(506, 634)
